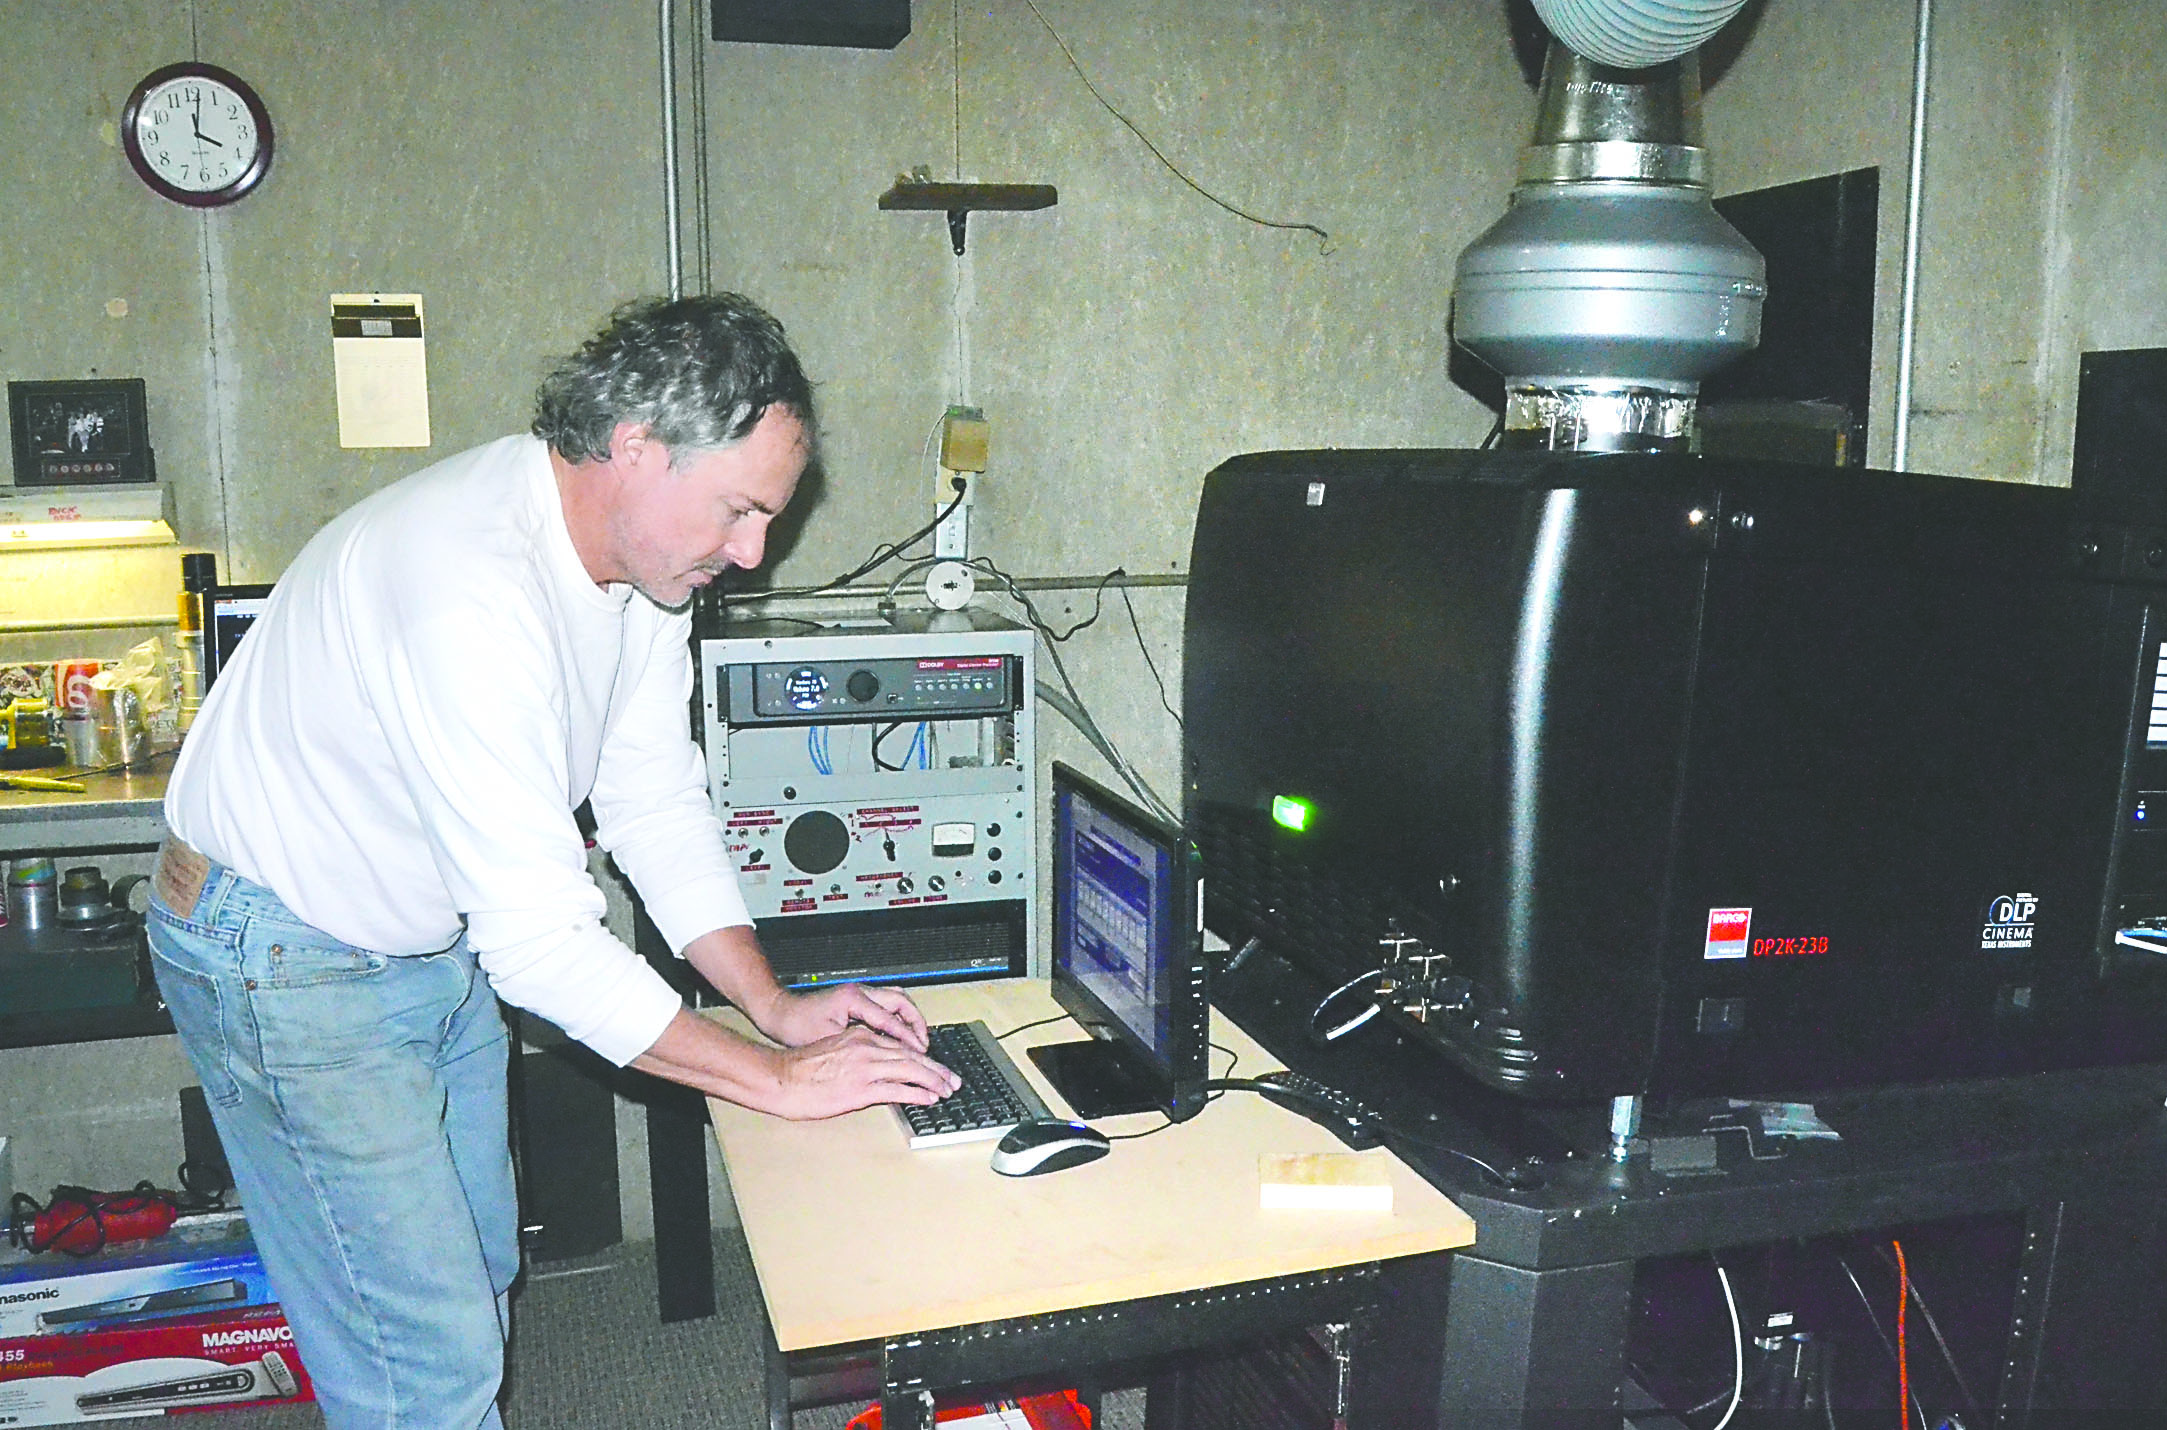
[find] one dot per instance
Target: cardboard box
(190, 1271)
(237, 1358)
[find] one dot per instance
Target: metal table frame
(1536, 1312)
(1063, 1346)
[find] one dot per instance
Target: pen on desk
(39, 782)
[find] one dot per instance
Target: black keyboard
(994, 1096)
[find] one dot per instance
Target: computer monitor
(228, 612)
(1128, 957)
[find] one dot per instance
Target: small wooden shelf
(958, 201)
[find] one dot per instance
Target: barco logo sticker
(1729, 933)
(2008, 920)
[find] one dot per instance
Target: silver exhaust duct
(1611, 286)
(1633, 34)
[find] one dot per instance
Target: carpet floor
(589, 1354)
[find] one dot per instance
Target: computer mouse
(1047, 1145)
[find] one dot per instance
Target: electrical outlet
(952, 538)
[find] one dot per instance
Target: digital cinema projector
(1644, 772)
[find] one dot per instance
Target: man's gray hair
(698, 373)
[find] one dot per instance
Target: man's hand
(842, 1072)
(844, 1047)
(796, 1019)
(857, 1068)
(730, 959)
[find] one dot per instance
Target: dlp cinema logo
(2008, 921)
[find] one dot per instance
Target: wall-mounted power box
(876, 779)
(851, 24)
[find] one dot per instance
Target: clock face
(197, 134)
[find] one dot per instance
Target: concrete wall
(502, 160)
(499, 159)
(2040, 206)
(505, 162)
(1127, 340)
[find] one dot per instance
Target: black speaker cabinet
(566, 1141)
(2119, 467)
(852, 24)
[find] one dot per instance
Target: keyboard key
(994, 1096)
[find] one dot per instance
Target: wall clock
(197, 134)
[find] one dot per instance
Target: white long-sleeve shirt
(400, 741)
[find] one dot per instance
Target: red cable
(1903, 1349)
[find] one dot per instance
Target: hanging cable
(1150, 664)
(1738, 1348)
(882, 554)
(1933, 1326)
(1873, 1321)
(1903, 1344)
(1171, 167)
(1081, 716)
(1321, 1033)
(1081, 719)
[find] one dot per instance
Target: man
(372, 839)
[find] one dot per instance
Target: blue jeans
(361, 1099)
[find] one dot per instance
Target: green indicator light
(1291, 812)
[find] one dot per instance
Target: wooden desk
(858, 1239)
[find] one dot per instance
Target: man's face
(680, 525)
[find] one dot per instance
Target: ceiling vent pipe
(1634, 34)
(1611, 286)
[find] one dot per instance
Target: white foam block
(1324, 1181)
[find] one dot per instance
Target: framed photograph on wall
(89, 432)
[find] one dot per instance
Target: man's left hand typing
(795, 1019)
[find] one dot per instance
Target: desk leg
(778, 1379)
(902, 1409)
(1534, 1350)
(1399, 1344)
(677, 1138)
(1166, 1400)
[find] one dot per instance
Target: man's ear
(631, 443)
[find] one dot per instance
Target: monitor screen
(1127, 956)
(228, 612)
